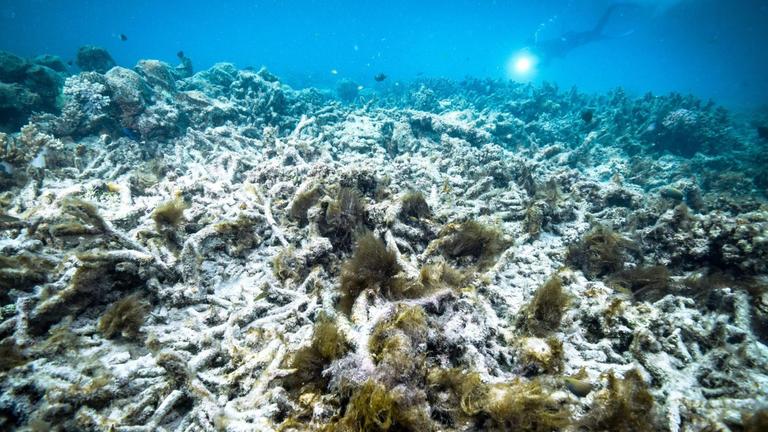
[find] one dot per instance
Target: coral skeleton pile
(220, 252)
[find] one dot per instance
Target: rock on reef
(93, 58)
(27, 87)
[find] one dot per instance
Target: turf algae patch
(308, 363)
(124, 317)
(478, 242)
(372, 266)
(543, 313)
(600, 252)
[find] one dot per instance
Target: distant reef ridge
(217, 251)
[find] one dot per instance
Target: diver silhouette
(559, 47)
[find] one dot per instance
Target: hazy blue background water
(712, 48)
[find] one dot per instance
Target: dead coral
(124, 317)
(472, 239)
(176, 367)
(79, 218)
(600, 252)
(285, 264)
(148, 174)
(95, 277)
(545, 310)
(83, 210)
(455, 395)
(624, 405)
(431, 278)
(534, 219)
(94, 389)
(372, 266)
(537, 356)
(239, 234)
(61, 340)
(525, 406)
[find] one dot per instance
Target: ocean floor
(218, 251)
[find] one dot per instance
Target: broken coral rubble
(223, 252)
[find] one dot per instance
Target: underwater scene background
(713, 49)
(384, 216)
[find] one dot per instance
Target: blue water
(711, 48)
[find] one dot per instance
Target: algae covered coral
(219, 251)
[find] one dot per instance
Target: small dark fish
(180, 54)
(762, 132)
(587, 115)
(380, 77)
(70, 62)
(123, 37)
(130, 134)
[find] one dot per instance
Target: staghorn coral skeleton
(215, 348)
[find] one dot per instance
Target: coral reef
(211, 251)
